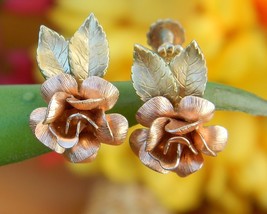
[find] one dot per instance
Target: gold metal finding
(166, 37)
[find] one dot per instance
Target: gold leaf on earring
(151, 75)
(88, 50)
(189, 70)
(52, 53)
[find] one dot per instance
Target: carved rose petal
(113, 129)
(156, 133)
(60, 83)
(150, 162)
(193, 109)
(152, 109)
(36, 117)
(119, 127)
(87, 104)
(65, 142)
(169, 156)
(211, 140)
(85, 151)
(103, 132)
(44, 135)
(95, 87)
(56, 107)
(182, 141)
(137, 139)
(189, 163)
(178, 127)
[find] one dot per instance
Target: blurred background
(233, 37)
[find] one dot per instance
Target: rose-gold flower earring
(74, 123)
(171, 81)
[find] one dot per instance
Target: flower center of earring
(179, 140)
(70, 137)
(78, 116)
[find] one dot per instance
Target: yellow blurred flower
(176, 193)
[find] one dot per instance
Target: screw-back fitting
(166, 37)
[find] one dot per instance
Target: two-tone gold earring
(171, 80)
(74, 123)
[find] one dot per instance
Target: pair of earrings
(170, 80)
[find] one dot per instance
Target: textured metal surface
(172, 81)
(75, 123)
(77, 128)
(151, 76)
(52, 53)
(176, 139)
(175, 76)
(165, 31)
(85, 54)
(88, 50)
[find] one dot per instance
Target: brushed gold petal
(37, 116)
(56, 107)
(178, 127)
(60, 83)
(79, 117)
(150, 162)
(44, 135)
(137, 139)
(156, 133)
(190, 71)
(168, 158)
(194, 109)
(118, 125)
(87, 104)
(103, 132)
(182, 141)
(189, 163)
(154, 108)
(211, 140)
(85, 151)
(52, 53)
(66, 141)
(152, 76)
(88, 50)
(112, 129)
(98, 88)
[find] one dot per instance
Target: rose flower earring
(75, 123)
(171, 81)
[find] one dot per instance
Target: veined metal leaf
(88, 50)
(151, 75)
(52, 53)
(190, 71)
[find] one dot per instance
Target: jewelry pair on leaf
(170, 80)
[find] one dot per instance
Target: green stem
(233, 99)
(17, 142)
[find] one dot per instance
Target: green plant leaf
(233, 99)
(17, 142)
